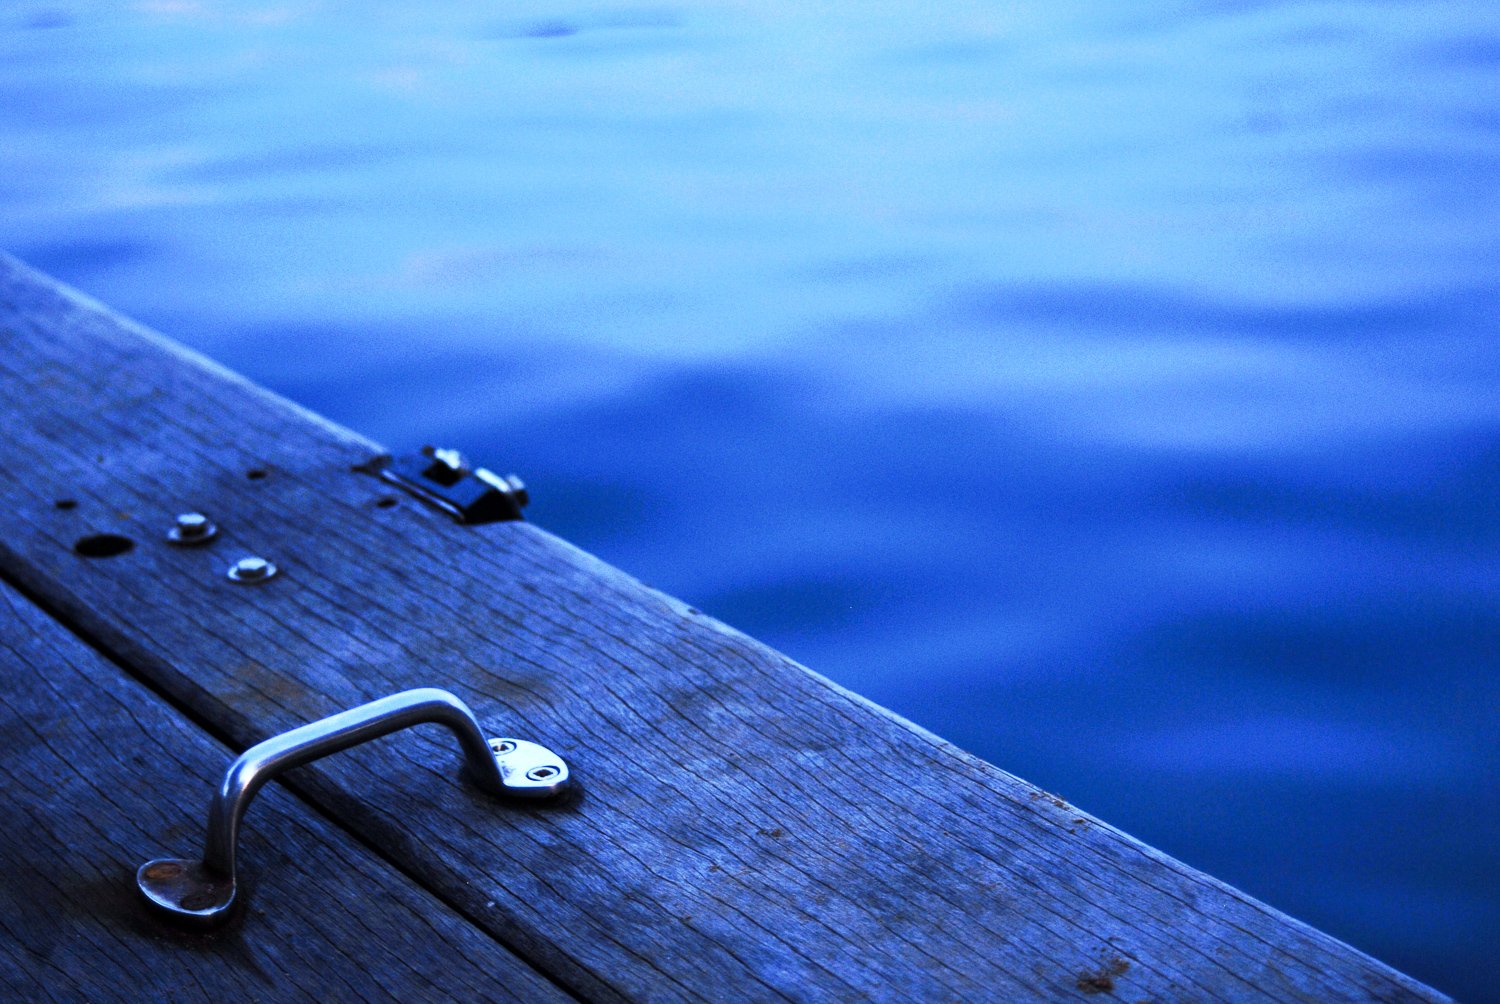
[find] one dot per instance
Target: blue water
(1110, 388)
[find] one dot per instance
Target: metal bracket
(201, 893)
(444, 479)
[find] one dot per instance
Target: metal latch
(444, 479)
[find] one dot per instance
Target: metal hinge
(444, 479)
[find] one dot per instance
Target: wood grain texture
(99, 776)
(746, 830)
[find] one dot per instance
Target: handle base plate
(186, 891)
(528, 769)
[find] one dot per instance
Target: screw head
(192, 528)
(542, 773)
(251, 570)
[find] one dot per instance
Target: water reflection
(1112, 391)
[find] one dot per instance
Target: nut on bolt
(250, 571)
(518, 489)
(192, 529)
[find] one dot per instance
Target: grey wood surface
(745, 829)
(100, 775)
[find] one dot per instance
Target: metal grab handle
(202, 892)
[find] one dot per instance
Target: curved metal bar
(263, 761)
(203, 890)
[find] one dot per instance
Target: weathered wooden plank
(98, 773)
(746, 830)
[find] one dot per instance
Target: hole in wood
(66, 504)
(102, 545)
(386, 501)
(255, 474)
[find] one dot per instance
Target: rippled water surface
(1111, 388)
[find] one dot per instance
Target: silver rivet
(191, 529)
(541, 773)
(251, 570)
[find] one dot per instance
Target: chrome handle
(202, 892)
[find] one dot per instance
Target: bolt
(192, 528)
(518, 490)
(160, 870)
(251, 570)
(197, 901)
(192, 524)
(448, 466)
